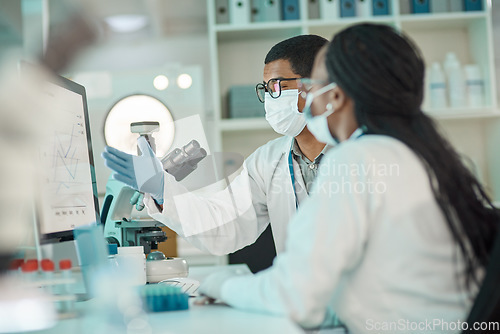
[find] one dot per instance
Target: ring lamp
(138, 108)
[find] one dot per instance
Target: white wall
(496, 40)
(138, 54)
(494, 127)
(132, 64)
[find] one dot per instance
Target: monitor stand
(60, 251)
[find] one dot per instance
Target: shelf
(463, 113)
(255, 30)
(258, 26)
(242, 124)
(282, 29)
(343, 22)
(433, 21)
(249, 124)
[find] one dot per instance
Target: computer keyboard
(187, 285)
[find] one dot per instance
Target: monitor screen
(68, 191)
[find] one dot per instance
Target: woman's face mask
(283, 114)
(318, 125)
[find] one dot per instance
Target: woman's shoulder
(367, 147)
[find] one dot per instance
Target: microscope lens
(178, 157)
(192, 147)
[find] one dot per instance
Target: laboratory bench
(213, 318)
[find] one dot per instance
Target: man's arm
(219, 223)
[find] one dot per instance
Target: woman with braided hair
(397, 232)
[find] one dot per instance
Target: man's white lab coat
(235, 217)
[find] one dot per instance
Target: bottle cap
(34, 262)
(47, 265)
(451, 56)
(451, 60)
(29, 266)
(436, 65)
(16, 264)
(472, 72)
(65, 264)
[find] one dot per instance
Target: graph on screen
(67, 199)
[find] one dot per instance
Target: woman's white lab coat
(235, 217)
(382, 258)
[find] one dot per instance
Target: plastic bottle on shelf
(456, 80)
(133, 261)
(474, 85)
(450, 58)
(437, 87)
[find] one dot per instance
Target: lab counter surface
(215, 318)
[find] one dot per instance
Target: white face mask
(283, 114)
(318, 125)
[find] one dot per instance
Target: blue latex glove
(143, 173)
(138, 200)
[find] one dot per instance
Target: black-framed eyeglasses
(273, 87)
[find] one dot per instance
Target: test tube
(15, 267)
(65, 269)
(48, 274)
(29, 270)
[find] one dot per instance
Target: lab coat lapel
(300, 186)
(281, 198)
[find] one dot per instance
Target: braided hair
(382, 70)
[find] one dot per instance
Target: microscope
(119, 202)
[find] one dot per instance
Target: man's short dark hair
(300, 51)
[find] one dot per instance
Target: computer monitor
(69, 190)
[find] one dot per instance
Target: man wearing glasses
(275, 179)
